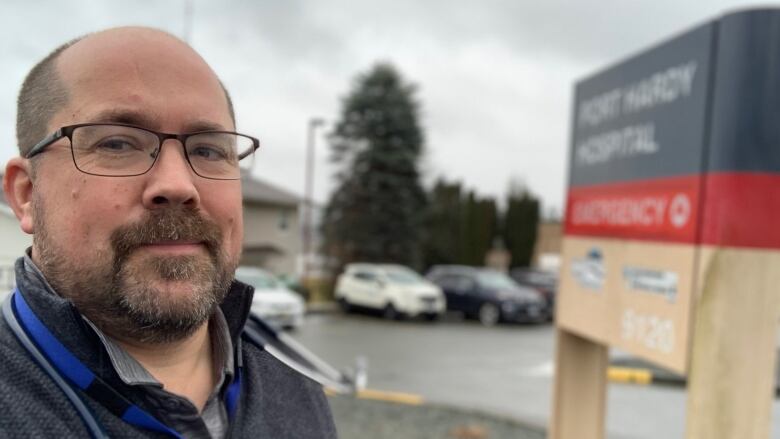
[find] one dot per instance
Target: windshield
(539, 278)
(402, 276)
(545, 279)
(496, 281)
(258, 280)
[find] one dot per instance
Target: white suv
(395, 290)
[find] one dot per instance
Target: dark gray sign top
(746, 94)
(645, 117)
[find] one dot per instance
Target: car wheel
(488, 314)
(344, 305)
(390, 313)
(432, 317)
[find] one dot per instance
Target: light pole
(308, 202)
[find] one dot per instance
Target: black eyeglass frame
(67, 132)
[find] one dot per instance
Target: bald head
(83, 63)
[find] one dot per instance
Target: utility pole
(187, 33)
(308, 203)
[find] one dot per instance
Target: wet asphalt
(360, 419)
(503, 373)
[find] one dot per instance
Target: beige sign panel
(632, 295)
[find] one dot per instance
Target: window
(495, 280)
(7, 278)
(403, 276)
(456, 283)
(284, 219)
(364, 275)
(464, 284)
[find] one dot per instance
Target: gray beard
(116, 291)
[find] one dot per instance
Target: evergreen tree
(375, 213)
(460, 227)
(442, 238)
(520, 225)
(485, 228)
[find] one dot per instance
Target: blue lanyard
(82, 377)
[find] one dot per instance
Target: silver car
(273, 302)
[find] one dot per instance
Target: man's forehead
(130, 39)
(124, 52)
(150, 119)
(134, 67)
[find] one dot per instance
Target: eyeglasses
(119, 150)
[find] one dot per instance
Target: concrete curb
(632, 370)
(322, 308)
(628, 375)
(636, 372)
(381, 395)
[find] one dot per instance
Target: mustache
(166, 225)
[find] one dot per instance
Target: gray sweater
(276, 402)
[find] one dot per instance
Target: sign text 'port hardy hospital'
(660, 88)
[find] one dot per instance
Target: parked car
(273, 301)
(487, 295)
(545, 282)
(395, 290)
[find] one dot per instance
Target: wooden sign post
(672, 245)
(580, 387)
(731, 383)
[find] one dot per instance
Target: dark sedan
(545, 282)
(487, 295)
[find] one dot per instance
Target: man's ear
(18, 188)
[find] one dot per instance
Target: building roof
(260, 192)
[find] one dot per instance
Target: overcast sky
(495, 77)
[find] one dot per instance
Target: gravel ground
(360, 419)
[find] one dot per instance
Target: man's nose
(171, 181)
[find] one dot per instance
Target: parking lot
(505, 370)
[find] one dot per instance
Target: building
(272, 227)
(549, 242)
(14, 242)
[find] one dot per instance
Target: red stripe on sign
(742, 210)
(664, 209)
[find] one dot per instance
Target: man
(127, 294)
